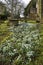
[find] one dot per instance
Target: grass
(4, 32)
(32, 21)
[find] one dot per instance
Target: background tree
(15, 7)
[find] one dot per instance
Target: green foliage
(22, 47)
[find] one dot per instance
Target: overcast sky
(26, 1)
